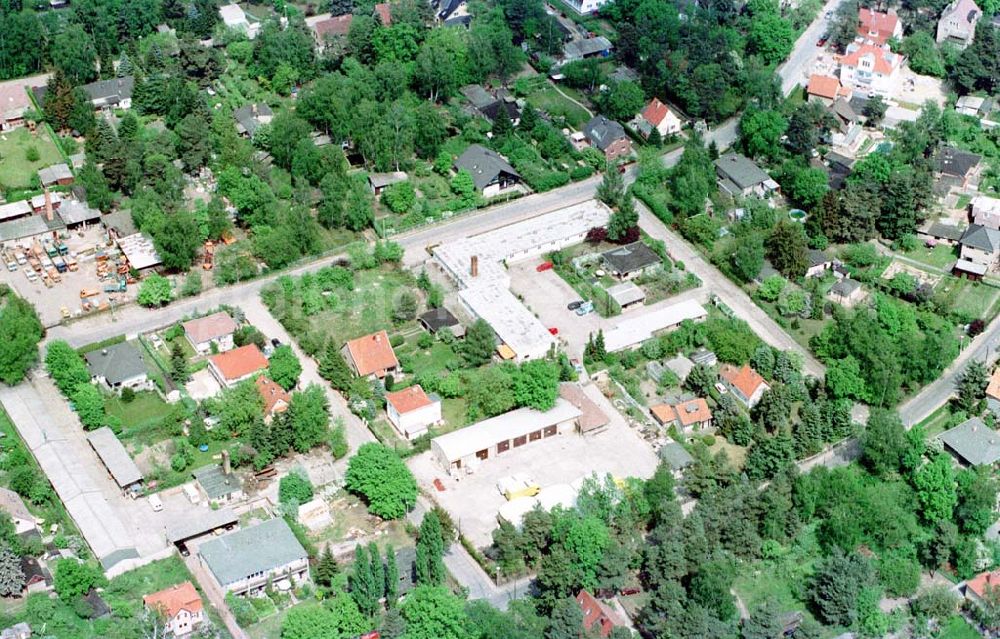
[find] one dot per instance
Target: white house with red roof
(232, 367)
(276, 399)
(180, 606)
(869, 68)
(877, 27)
(657, 115)
(203, 332)
(746, 384)
(412, 411)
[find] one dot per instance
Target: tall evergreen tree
(11, 575)
(327, 568)
(391, 577)
(377, 570)
(178, 364)
(333, 368)
(611, 190)
(430, 551)
(363, 591)
(623, 220)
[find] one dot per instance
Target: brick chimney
(48, 205)
(474, 265)
(226, 467)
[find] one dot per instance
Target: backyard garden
(22, 154)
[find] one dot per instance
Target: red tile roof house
(746, 384)
(326, 29)
(977, 588)
(878, 27)
(181, 607)
(217, 328)
(688, 416)
(232, 367)
(597, 614)
(411, 411)
(371, 356)
(384, 13)
(825, 89)
(657, 115)
(276, 399)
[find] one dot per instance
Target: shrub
(295, 487)
(31, 154)
(128, 395)
(399, 197)
(396, 341)
(708, 440)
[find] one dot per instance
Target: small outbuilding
(626, 295)
(437, 318)
(116, 459)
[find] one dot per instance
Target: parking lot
(66, 293)
(547, 295)
(474, 501)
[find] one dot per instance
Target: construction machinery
(59, 263)
(116, 286)
(88, 292)
(209, 260)
(71, 263)
(54, 274)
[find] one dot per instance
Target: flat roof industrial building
(500, 434)
(633, 332)
(485, 292)
(115, 458)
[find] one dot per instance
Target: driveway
(732, 295)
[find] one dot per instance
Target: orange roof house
(993, 388)
(878, 27)
(825, 87)
(181, 605)
(337, 26)
(744, 383)
(689, 415)
(976, 588)
(236, 365)
(658, 115)
(275, 397)
(371, 355)
(597, 614)
(411, 411)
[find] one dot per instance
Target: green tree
(922, 52)
(20, 332)
(479, 344)
(935, 486)
(155, 290)
(838, 583)
(430, 552)
(284, 367)
(977, 497)
(566, 620)
(327, 568)
(364, 590)
(75, 579)
(391, 577)
(378, 474)
(971, 386)
(787, 247)
(334, 369)
(65, 366)
(73, 53)
(463, 186)
(536, 384)
(432, 612)
(771, 37)
(760, 132)
(748, 257)
(622, 101)
(295, 487)
(309, 415)
(883, 442)
(178, 364)
(765, 622)
(611, 190)
(405, 307)
(89, 405)
(623, 221)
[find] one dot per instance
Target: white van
(154, 501)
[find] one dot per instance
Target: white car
(155, 503)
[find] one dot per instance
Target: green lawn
(937, 422)
(15, 169)
(140, 416)
(941, 256)
(549, 100)
(958, 628)
(454, 411)
(439, 358)
(967, 298)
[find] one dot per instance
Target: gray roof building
(485, 165)
(973, 442)
(603, 132)
(50, 175)
(676, 456)
(817, 257)
(626, 294)
(630, 258)
(740, 171)
(28, 227)
(116, 363)
(950, 232)
(845, 287)
(110, 92)
(438, 318)
(206, 521)
(477, 96)
(115, 457)
(216, 483)
(259, 549)
(680, 366)
(248, 117)
(72, 212)
(579, 49)
(982, 238)
(121, 222)
(955, 162)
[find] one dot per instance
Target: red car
(544, 266)
(554, 330)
